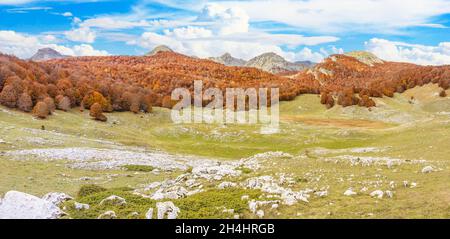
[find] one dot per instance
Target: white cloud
(220, 29)
(386, 16)
(67, 14)
(24, 46)
(404, 52)
(83, 34)
(226, 20)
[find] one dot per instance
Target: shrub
(50, 103)
(97, 113)
(443, 94)
(139, 168)
(90, 189)
(41, 110)
(8, 96)
(96, 97)
(25, 103)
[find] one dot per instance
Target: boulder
(57, 198)
(428, 169)
(349, 192)
(18, 205)
(81, 206)
(114, 200)
(377, 193)
(149, 214)
(108, 215)
(224, 185)
(167, 209)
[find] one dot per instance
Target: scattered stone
(321, 193)
(260, 213)
(149, 214)
(245, 198)
(413, 185)
(175, 192)
(57, 198)
(134, 215)
(224, 185)
(349, 192)
(236, 216)
(275, 206)
(81, 206)
(114, 200)
(377, 193)
(18, 205)
(428, 169)
(167, 208)
(108, 215)
(389, 194)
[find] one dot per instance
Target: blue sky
(417, 32)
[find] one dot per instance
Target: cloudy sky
(415, 31)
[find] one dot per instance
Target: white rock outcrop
(18, 205)
(57, 198)
(81, 206)
(149, 214)
(167, 209)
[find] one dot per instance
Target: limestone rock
(114, 200)
(18, 205)
(108, 215)
(167, 209)
(57, 198)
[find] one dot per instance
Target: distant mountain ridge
(45, 54)
(228, 60)
(158, 49)
(275, 64)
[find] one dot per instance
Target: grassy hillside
(325, 145)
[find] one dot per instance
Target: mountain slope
(274, 63)
(228, 60)
(158, 49)
(47, 54)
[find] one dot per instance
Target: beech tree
(25, 103)
(41, 110)
(96, 112)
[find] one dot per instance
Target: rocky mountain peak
(228, 60)
(160, 48)
(45, 54)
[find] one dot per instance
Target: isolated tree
(443, 93)
(25, 103)
(96, 112)
(63, 103)
(96, 97)
(41, 110)
(50, 103)
(8, 96)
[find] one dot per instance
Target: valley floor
(388, 162)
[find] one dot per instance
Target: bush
(139, 168)
(8, 96)
(41, 110)
(443, 94)
(25, 103)
(90, 189)
(50, 103)
(97, 113)
(63, 103)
